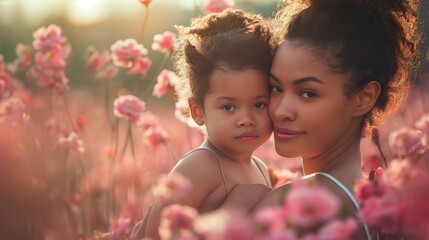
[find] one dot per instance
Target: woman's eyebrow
(298, 81)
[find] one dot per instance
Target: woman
(339, 67)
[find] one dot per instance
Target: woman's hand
(245, 196)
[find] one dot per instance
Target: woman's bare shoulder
(274, 198)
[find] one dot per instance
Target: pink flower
(128, 106)
(72, 142)
(141, 66)
(6, 86)
(148, 121)
(405, 141)
(96, 61)
(49, 78)
(338, 230)
(307, 205)
(212, 6)
(12, 110)
(48, 38)
(155, 136)
(164, 42)
(126, 52)
(423, 125)
(270, 218)
(108, 72)
(120, 226)
(384, 212)
(366, 189)
(54, 58)
(223, 224)
(176, 220)
(172, 188)
(166, 79)
(24, 60)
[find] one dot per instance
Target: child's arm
(201, 169)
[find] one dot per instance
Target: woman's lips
(285, 133)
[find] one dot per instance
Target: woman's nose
(282, 109)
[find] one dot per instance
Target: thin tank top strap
(218, 163)
(262, 172)
(349, 194)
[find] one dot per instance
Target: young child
(223, 60)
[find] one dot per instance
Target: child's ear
(196, 111)
(366, 98)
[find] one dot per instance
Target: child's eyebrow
(298, 81)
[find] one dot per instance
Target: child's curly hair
(232, 39)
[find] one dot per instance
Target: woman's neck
(343, 163)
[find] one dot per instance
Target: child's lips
(247, 136)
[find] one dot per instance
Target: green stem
(143, 25)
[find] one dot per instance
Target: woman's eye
(260, 105)
(275, 89)
(228, 107)
(308, 94)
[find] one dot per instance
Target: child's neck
(228, 155)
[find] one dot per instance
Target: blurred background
(60, 194)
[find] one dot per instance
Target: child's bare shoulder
(198, 165)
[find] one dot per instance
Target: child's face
(310, 114)
(236, 110)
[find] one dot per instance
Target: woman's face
(310, 114)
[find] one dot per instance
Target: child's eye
(228, 107)
(307, 94)
(260, 105)
(275, 89)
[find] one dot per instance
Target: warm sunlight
(86, 11)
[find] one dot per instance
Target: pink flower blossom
(72, 142)
(108, 72)
(166, 79)
(120, 226)
(128, 106)
(405, 141)
(176, 221)
(400, 174)
(149, 120)
(49, 78)
(365, 189)
(24, 60)
(423, 125)
(384, 212)
(12, 110)
(96, 61)
(48, 38)
(141, 66)
(155, 136)
(223, 224)
(172, 188)
(307, 205)
(164, 42)
(126, 52)
(338, 230)
(270, 218)
(51, 59)
(6, 85)
(212, 6)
